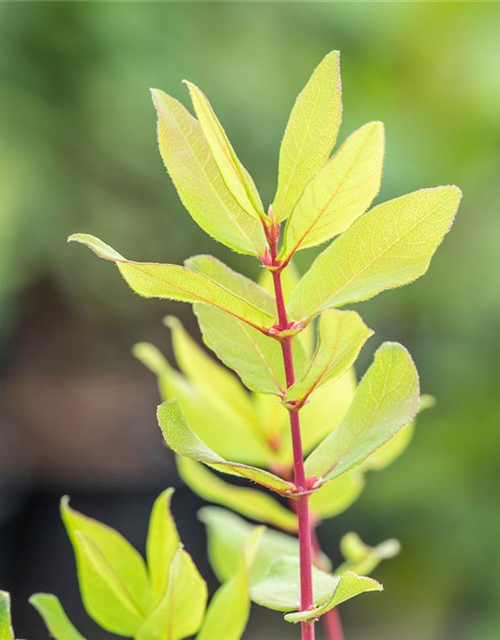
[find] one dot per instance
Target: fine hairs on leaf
(276, 402)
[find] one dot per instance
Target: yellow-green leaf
(56, 620)
(181, 439)
(361, 558)
(6, 632)
(388, 247)
(231, 439)
(112, 574)
(341, 336)
(385, 401)
(180, 612)
(310, 134)
(349, 586)
(340, 193)
(234, 174)
(154, 280)
(198, 180)
(229, 609)
(162, 544)
(249, 502)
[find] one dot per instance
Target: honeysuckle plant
(298, 424)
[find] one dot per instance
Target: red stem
(305, 542)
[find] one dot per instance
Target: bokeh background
(78, 153)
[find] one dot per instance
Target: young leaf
(388, 247)
(180, 612)
(340, 193)
(349, 586)
(227, 534)
(385, 401)
(279, 589)
(162, 544)
(236, 177)
(6, 632)
(154, 280)
(112, 574)
(181, 439)
(231, 438)
(198, 180)
(361, 558)
(229, 609)
(56, 620)
(310, 134)
(338, 495)
(217, 385)
(341, 336)
(249, 502)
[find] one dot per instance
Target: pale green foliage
(154, 280)
(349, 586)
(310, 134)
(236, 177)
(385, 401)
(336, 496)
(112, 574)
(249, 502)
(361, 558)
(123, 595)
(341, 336)
(390, 246)
(229, 609)
(339, 193)
(182, 439)
(56, 620)
(6, 632)
(188, 158)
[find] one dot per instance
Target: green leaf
(227, 534)
(340, 193)
(279, 589)
(180, 612)
(236, 177)
(218, 387)
(385, 401)
(361, 558)
(230, 438)
(249, 502)
(397, 445)
(229, 609)
(338, 495)
(341, 336)
(256, 358)
(388, 247)
(198, 180)
(310, 134)
(349, 586)
(154, 280)
(162, 544)
(181, 439)
(6, 632)
(57, 622)
(112, 574)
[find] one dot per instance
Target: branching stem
(305, 541)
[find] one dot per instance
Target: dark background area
(78, 153)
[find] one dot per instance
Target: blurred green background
(78, 153)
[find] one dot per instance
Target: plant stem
(305, 542)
